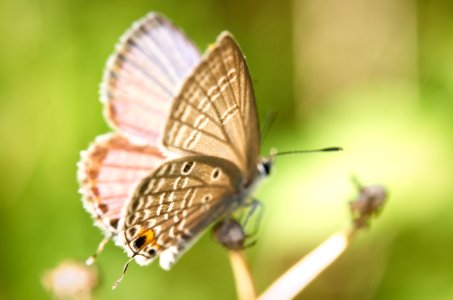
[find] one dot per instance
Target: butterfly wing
(143, 76)
(108, 173)
(140, 82)
(176, 203)
(215, 111)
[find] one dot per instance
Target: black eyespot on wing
(139, 242)
(152, 252)
(216, 173)
(187, 167)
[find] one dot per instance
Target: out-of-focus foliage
(396, 131)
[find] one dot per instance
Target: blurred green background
(375, 77)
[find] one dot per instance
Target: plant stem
(245, 286)
(309, 267)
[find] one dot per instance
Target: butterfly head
(266, 163)
(265, 166)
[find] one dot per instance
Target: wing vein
(201, 112)
(134, 65)
(160, 47)
(152, 58)
(176, 120)
(238, 104)
(230, 144)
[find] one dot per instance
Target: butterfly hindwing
(108, 173)
(178, 201)
(143, 76)
(215, 111)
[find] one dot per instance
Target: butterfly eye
(266, 167)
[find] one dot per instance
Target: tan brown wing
(176, 203)
(215, 111)
(108, 173)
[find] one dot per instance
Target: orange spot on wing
(150, 238)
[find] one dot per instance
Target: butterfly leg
(231, 233)
(250, 243)
(256, 208)
(90, 260)
(236, 231)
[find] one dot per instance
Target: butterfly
(185, 148)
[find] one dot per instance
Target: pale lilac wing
(215, 111)
(143, 76)
(175, 204)
(108, 173)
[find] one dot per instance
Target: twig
(369, 203)
(309, 267)
(245, 286)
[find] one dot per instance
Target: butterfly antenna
(90, 260)
(268, 124)
(328, 149)
(117, 283)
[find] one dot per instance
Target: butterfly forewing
(177, 202)
(215, 111)
(143, 76)
(108, 173)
